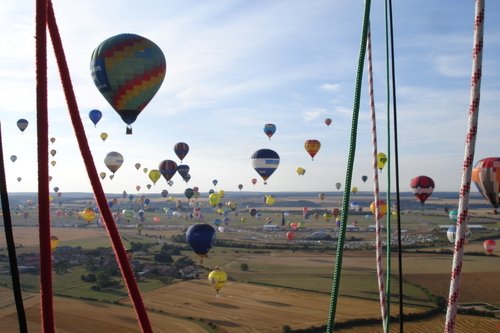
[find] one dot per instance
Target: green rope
(386, 320)
(348, 179)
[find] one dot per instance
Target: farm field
(285, 283)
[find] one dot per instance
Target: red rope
(120, 253)
(47, 308)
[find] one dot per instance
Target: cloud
(330, 87)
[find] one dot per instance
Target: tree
(244, 267)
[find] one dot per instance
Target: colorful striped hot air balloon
(269, 130)
(486, 176)
(128, 70)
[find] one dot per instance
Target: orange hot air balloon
(312, 147)
(54, 241)
(88, 214)
(486, 176)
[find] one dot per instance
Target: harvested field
(77, 316)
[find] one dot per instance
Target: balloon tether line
(470, 143)
(11, 246)
(120, 253)
(376, 197)
(349, 168)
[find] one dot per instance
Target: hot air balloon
(53, 163)
(452, 233)
(88, 214)
(167, 168)
(486, 176)
(265, 162)
(53, 152)
(354, 189)
(22, 124)
(52, 140)
(189, 193)
(54, 242)
(103, 136)
(328, 121)
(269, 130)
(338, 186)
(382, 208)
(183, 170)
(113, 161)
(138, 188)
(321, 196)
(19, 179)
(254, 181)
(102, 175)
(95, 116)
(422, 187)
(214, 199)
(137, 165)
(215, 181)
(489, 245)
(312, 147)
(269, 200)
(217, 278)
(381, 160)
(240, 187)
(154, 175)
(181, 149)
(453, 215)
(13, 158)
(201, 237)
(301, 171)
(290, 235)
(128, 70)
(364, 178)
(145, 170)
(164, 193)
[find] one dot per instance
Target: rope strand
(349, 168)
(470, 143)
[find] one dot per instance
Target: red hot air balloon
(312, 147)
(486, 176)
(422, 187)
(128, 70)
(489, 245)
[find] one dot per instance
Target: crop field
(285, 283)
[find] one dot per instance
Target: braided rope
(349, 168)
(376, 192)
(470, 142)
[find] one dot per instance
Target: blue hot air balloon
(183, 170)
(201, 238)
(128, 70)
(22, 124)
(265, 162)
(95, 116)
(269, 129)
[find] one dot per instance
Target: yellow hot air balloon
(301, 171)
(354, 189)
(222, 193)
(154, 175)
(218, 278)
(88, 214)
(381, 160)
(214, 199)
(104, 136)
(270, 200)
(54, 241)
(382, 208)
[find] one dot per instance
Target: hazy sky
(232, 67)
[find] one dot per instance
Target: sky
(234, 66)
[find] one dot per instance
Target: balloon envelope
(422, 187)
(113, 161)
(181, 149)
(201, 237)
(168, 168)
(486, 176)
(128, 70)
(328, 121)
(95, 116)
(154, 175)
(269, 130)
(218, 278)
(22, 124)
(312, 147)
(489, 245)
(265, 162)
